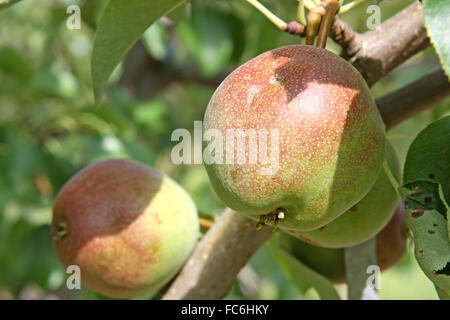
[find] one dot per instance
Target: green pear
(298, 139)
(126, 226)
(366, 218)
(391, 244)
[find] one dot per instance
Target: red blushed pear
(366, 218)
(128, 227)
(331, 139)
(391, 247)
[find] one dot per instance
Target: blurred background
(50, 127)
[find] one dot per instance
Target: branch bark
(375, 53)
(416, 97)
(225, 249)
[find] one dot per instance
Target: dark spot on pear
(431, 232)
(354, 208)
(431, 176)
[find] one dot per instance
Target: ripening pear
(128, 227)
(293, 135)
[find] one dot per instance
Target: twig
(377, 52)
(416, 97)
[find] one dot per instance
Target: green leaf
(426, 193)
(121, 25)
(436, 13)
(14, 64)
(302, 276)
(7, 3)
(429, 156)
(432, 248)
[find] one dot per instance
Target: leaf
(429, 156)
(121, 25)
(436, 13)
(302, 276)
(14, 64)
(7, 3)
(432, 248)
(155, 41)
(426, 193)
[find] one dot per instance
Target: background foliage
(50, 126)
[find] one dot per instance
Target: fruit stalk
(330, 11)
(314, 17)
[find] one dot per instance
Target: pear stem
(330, 11)
(314, 17)
(391, 177)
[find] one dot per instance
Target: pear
(366, 218)
(128, 227)
(293, 137)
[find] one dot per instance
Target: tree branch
(218, 258)
(377, 52)
(416, 97)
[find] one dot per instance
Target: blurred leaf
(57, 84)
(304, 277)
(7, 3)
(436, 14)
(14, 64)
(39, 259)
(154, 40)
(208, 37)
(121, 24)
